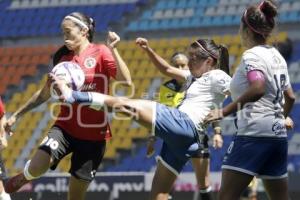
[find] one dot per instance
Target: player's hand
(217, 141)
(214, 115)
(289, 123)
(150, 147)
(142, 42)
(62, 90)
(112, 39)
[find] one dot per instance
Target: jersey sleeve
(252, 62)
(108, 61)
(221, 82)
(2, 109)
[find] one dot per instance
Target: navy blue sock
(81, 97)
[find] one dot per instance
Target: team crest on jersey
(90, 62)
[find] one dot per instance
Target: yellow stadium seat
(234, 50)
(226, 39)
(123, 142)
(110, 153)
(217, 39)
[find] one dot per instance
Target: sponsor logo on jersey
(90, 62)
(90, 86)
(279, 128)
(249, 67)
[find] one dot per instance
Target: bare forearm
(36, 100)
(288, 106)
(289, 98)
(251, 95)
(158, 61)
(123, 73)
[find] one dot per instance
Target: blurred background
(30, 33)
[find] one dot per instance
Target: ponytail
(223, 61)
(62, 51)
(92, 26)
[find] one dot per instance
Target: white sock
(26, 172)
(97, 99)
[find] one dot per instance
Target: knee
(37, 169)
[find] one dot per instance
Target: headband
(212, 55)
(77, 21)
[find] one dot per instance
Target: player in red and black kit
(79, 129)
(3, 144)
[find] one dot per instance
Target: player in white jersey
(171, 95)
(205, 85)
(261, 88)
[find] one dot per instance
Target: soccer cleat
(13, 184)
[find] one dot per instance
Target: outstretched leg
(140, 110)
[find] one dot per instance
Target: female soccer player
(79, 129)
(171, 95)
(261, 88)
(3, 144)
(181, 128)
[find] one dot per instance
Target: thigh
(176, 128)
(277, 189)
(86, 158)
(233, 184)
(56, 144)
(162, 183)
(140, 110)
(77, 188)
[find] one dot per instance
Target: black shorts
(203, 152)
(2, 169)
(86, 155)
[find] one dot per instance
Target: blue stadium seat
(14, 20)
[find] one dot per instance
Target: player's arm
(150, 146)
(289, 98)
(3, 140)
(123, 73)
(37, 99)
(255, 91)
(217, 138)
(163, 66)
(2, 118)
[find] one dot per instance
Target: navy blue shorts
(181, 139)
(258, 156)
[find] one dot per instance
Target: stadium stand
(184, 14)
(21, 18)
